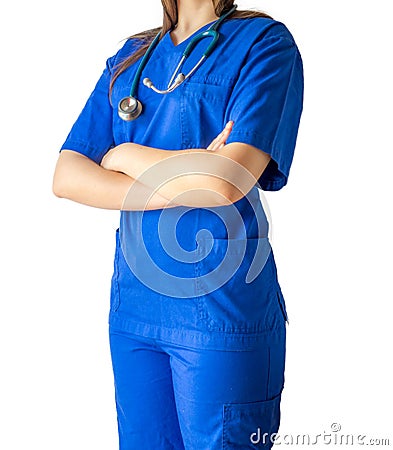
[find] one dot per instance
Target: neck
(193, 14)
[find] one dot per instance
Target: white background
(332, 224)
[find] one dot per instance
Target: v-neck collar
(166, 43)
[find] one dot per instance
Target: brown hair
(169, 21)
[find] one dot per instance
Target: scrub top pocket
(202, 111)
(115, 294)
(237, 293)
(281, 302)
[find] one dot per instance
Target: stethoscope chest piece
(129, 108)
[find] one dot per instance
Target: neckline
(181, 45)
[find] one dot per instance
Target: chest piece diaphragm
(129, 108)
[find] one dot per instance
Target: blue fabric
(253, 77)
(198, 286)
(238, 315)
(175, 397)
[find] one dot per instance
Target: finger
(214, 142)
(229, 124)
(211, 145)
(228, 127)
(219, 141)
(221, 138)
(225, 132)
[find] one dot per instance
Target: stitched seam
(268, 373)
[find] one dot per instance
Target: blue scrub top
(253, 77)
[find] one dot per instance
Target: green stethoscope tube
(130, 108)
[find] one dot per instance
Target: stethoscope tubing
(142, 64)
(211, 32)
(129, 108)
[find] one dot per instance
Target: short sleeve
(92, 133)
(267, 102)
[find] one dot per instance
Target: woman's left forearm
(191, 177)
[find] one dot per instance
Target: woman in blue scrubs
(197, 319)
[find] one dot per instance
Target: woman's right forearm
(80, 179)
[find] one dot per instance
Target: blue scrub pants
(170, 396)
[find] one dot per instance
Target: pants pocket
(251, 425)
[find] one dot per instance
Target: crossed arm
(136, 177)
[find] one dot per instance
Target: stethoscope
(130, 108)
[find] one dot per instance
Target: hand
(109, 161)
(221, 139)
